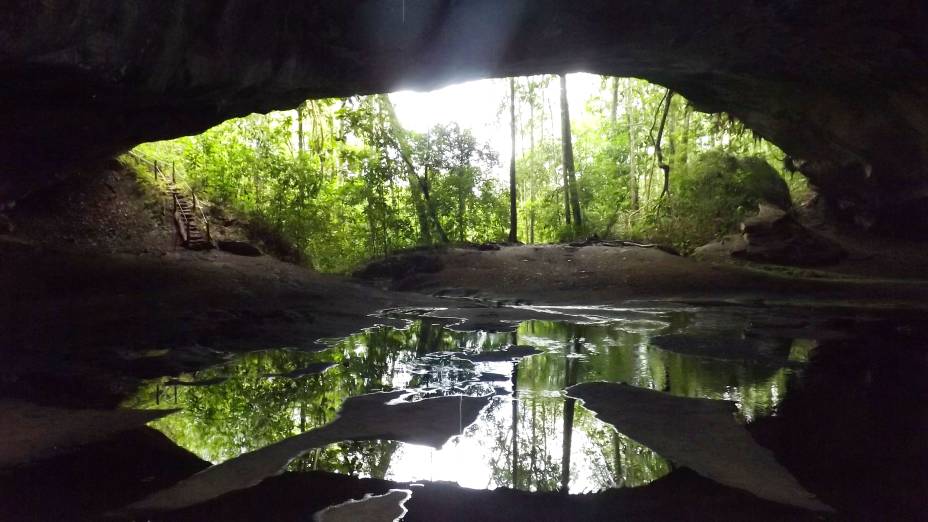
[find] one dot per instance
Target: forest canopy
(343, 180)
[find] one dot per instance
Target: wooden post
(173, 174)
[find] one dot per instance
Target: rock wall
(841, 85)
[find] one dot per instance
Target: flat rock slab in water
(371, 508)
(312, 369)
(700, 434)
(29, 432)
(510, 353)
(724, 347)
(493, 377)
(375, 416)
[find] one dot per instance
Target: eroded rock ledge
(839, 84)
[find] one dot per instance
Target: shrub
(713, 195)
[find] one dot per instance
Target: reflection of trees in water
(533, 445)
(608, 459)
(529, 442)
(250, 410)
(617, 461)
(536, 465)
(357, 459)
(627, 356)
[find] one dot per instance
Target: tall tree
(632, 147)
(513, 216)
(572, 206)
(417, 183)
(615, 102)
(664, 166)
(299, 129)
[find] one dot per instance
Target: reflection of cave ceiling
(840, 84)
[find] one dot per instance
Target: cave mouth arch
(837, 85)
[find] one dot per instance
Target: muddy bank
(596, 274)
(80, 328)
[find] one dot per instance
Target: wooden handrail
(172, 188)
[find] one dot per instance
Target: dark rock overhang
(840, 85)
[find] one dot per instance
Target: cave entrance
(347, 180)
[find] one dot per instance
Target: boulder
(774, 236)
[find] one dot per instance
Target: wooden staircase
(190, 221)
(185, 219)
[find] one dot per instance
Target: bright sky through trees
(476, 106)
(343, 181)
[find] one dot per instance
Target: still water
(531, 437)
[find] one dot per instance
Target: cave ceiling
(841, 86)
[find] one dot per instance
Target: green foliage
(517, 441)
(340, 181)
(714, 195)
(330, 182)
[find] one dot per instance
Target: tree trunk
(685, 153)
(566, 197)
(531, 117)
(657, 144)
(615, 102)
(299, 128)
(568, 153)
(429, 205)
(533, 178)
(513, 212)
(632, 148)
(462, 218)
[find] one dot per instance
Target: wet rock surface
(31, 432)
(698, 433)
(661, 500)
(91, 480)
(389, 506)
(725, 347)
